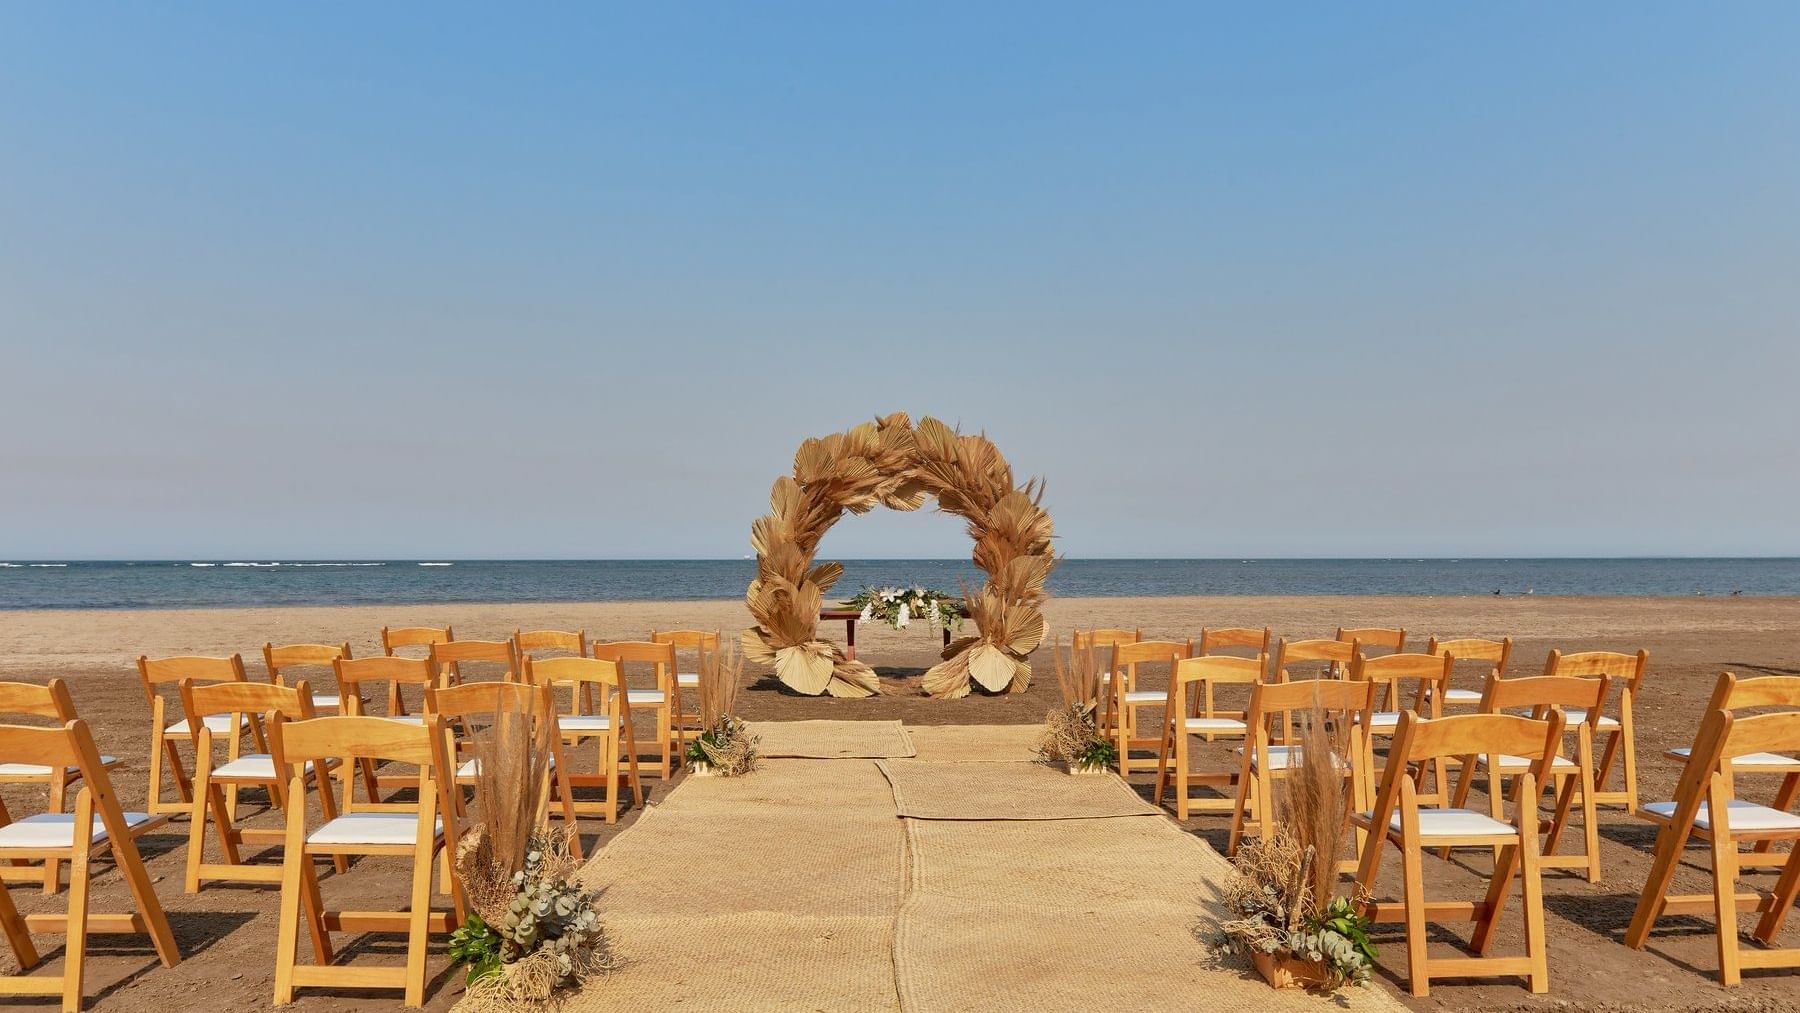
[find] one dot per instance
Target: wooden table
(851, 617)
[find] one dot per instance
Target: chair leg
(75, 945)
(17, 934)
(1787, 887)
(1417, 974)
(418, 925)
(293, 862)
(1725, 868)
(1536, 948)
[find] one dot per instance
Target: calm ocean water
(26, 584)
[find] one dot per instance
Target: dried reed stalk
(1315, 805)
(511, 780)
(888, 462)
(721, 676)
(1079, 675)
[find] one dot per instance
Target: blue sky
(409, 280)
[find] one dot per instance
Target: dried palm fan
(888, 462)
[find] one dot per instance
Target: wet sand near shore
(227, 933)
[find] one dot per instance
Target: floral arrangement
(1289, 918)
(1072, 736)
(725, 745)
(900, 606)
(532, 930)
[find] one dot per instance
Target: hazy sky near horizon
(441, 281)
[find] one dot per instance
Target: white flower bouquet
(899, 607)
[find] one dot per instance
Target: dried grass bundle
(512, 765)
(1315, 803)
(1078, 674)
(888, 462)
(721, 676)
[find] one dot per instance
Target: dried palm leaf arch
(888, 462)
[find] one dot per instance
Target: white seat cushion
(254, 765)
(328, 701)
(1453, 823)
(409, 719)
(1575, 716)
(1145, 696)
(218, 723)
(584, 722)
(646, 697)
(1743, 816)
(1215, 725)
(688, 679)
(1748, 761)
(371, 828)
(472, 767)
(1462, 696)
(55, 830)
(1510, 762)
(1381, 719)
(40, 770)
(1286, 757)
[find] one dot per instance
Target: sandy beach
(1689, 640)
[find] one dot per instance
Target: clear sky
(334, 280)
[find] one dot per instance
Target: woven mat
(832, 740)
(1007, 791)
(1068, 863)
(752, 962)
(976, 743)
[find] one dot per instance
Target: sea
(227, 583)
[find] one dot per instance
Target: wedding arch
(888, 462)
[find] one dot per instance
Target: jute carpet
(976, 743)
(832, 740)
(797, 888)
(1007, 791)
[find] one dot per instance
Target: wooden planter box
(1283, 971)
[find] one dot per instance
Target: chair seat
(472, 767)
(1748, 761)
(1575, 716)
(644, 697)
(1286, 758)
(41, 770)
(1445, 823)
(328, 701)
(687, 680)
(1215, 725)
(1145, 696)
(1509, 763)
(584, 723)
(56, 830)
(1743, 816)
(1381, 719)
(371, 828)
(1457, 695)
(255, 766)
(409, 719)
(217, 723)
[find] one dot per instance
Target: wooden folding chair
(611, 726)
(1397, 818)
(251, 770)
(1124, 698)
(1231, 641)
(551, 644)
(1704, 807)
(419, 829)
(1197, 677)
(1472, 649)
(165, 738)
(1734, 694)
(97, 825)
(671, 740)
(280, 661)
(704, 645)
(355, 673)
(1428, 675)
(447, 658)
(461, 706)
(52, 701)
(1568, 779)
(1627, 673)
(1336, 654)
(1267, 758)
(396, 638)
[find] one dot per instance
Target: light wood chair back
(1104, 638)
(167, 737)
(1372, 637)
(1336, 654)
(1494, 653)
(53, 701)
(1397, 818)
(447, 658)
(393, 638)
(280, 661)
(57, 836)
(392, 671)
(535, 643)
(420, 829)
(47, 700)
(1217, 640)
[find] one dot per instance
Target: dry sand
(228, 933)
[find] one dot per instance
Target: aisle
(801, 888)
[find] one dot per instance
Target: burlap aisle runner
(1007, 791)
(976, 743)
(832, 740)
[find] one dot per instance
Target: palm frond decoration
(889, 462)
